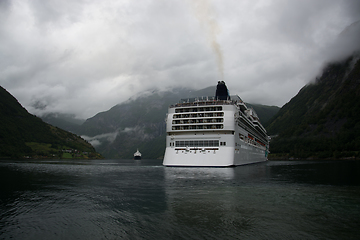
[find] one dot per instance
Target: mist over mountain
(140, 123)
(68, 122)
(323, 119)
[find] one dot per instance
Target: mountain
(140, 123)
(264, 112)
(137, 123)
(323, 119)
(25, 135)
(68, 122)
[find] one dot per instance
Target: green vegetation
(323, 119)
(23, 135)
(67, 155)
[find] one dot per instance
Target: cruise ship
(216, 131)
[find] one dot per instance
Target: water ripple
(127, 200)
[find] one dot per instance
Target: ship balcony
(198, 120)
(198, 109)
(197, 124)
(199, 115)
(198, 127)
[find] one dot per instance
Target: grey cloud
(345, 44)
(98, 139)
(84, 57)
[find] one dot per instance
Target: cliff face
(23, 134)
(323, 119)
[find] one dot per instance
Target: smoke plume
(206, 15)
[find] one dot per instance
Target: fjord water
(127, 199)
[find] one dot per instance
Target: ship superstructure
(216, 131)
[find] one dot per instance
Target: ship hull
(223, 156)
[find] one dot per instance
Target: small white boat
(137, 155)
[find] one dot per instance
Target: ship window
(200, 109)
(200, 143)
(241, 136)
(193, 127)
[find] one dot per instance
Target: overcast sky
(86, 56)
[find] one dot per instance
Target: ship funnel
(222, 93)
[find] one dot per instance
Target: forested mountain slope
(25, 135)
(323, 119)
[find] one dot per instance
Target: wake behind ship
(218, 131)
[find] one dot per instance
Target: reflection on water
(112, 199)
(273, 200)
(172, 173)
(202, 200)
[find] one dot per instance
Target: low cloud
(107, 137)
(99, 139)
(83, 57)
(345, 44)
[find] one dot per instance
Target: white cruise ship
(218, 131)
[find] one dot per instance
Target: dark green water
(126, 199)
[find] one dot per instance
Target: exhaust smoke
(206, 16)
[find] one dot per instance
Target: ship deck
(206, 101)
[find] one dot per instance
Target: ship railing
(203, 101)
